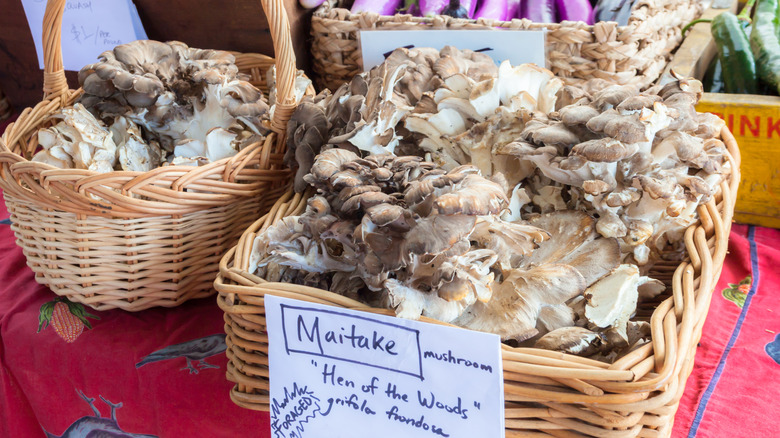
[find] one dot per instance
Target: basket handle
(279, 26)
(55, 84)
(54, 81)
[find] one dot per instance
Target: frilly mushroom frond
(516, 302)
(179, 95)
(431, 242)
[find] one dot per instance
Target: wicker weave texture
(547, 393)
(134, 240)
(5, 107)
(131, 264)
(632, 54)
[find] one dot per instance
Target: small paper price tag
(89, 28)
(342, 373)
(516, 46)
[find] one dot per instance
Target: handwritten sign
(517, 46)
(341, 373)
(89, 28)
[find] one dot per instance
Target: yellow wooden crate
(754, 120)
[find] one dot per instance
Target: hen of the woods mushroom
(494, 197)
(148, 103)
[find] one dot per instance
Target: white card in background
(517, 46)
(339, 373)
(89, 28)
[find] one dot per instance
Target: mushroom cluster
(419, 101)
(159, 103)
(596, 184)
(403, 233)
(640, 162)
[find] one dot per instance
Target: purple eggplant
(513, 9)
(492, 9)
(539, 11)
(433, 7)
(311, 4)
(574, 10)
(453, 8)
(614, 10)
(378, 6)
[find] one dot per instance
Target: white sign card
(339, 373)
(89, 28)
(517, 46)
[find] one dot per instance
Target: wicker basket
(5, 107)
(547, 393)
(135, 240)
(632, 54)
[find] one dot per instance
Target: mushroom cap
(596, 187)
(436, 234)
(569, 95)
(383, 214)
(603, 150)
(474, 195)
(242, 99)
(623, 198)
(306, 131)
(627, 129)
(556, 134)
(571, 340)
(637, 102)
(328, 163)
(657, 188)
(576, 115)
(688, 147)
(610, 225)
(598, 123)
(475, 65)
(612, 96)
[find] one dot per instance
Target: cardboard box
(754, 120)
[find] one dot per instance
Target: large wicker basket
(632, 54)
(135, 240)
(547, 393)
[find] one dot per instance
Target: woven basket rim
(626, 389)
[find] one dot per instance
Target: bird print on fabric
(195, 352)
(97, 426)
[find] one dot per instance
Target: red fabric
(42, 374)
(733, 392)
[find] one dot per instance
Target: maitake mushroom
(424, 240)
(613, 177)
(406, 234)
(81, 141)
(166, 103)
(635, 160)
(192, 101)
(78, 141)
(451, 104)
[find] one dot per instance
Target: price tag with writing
(341, 373)
(516, 46)
(89, 28)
